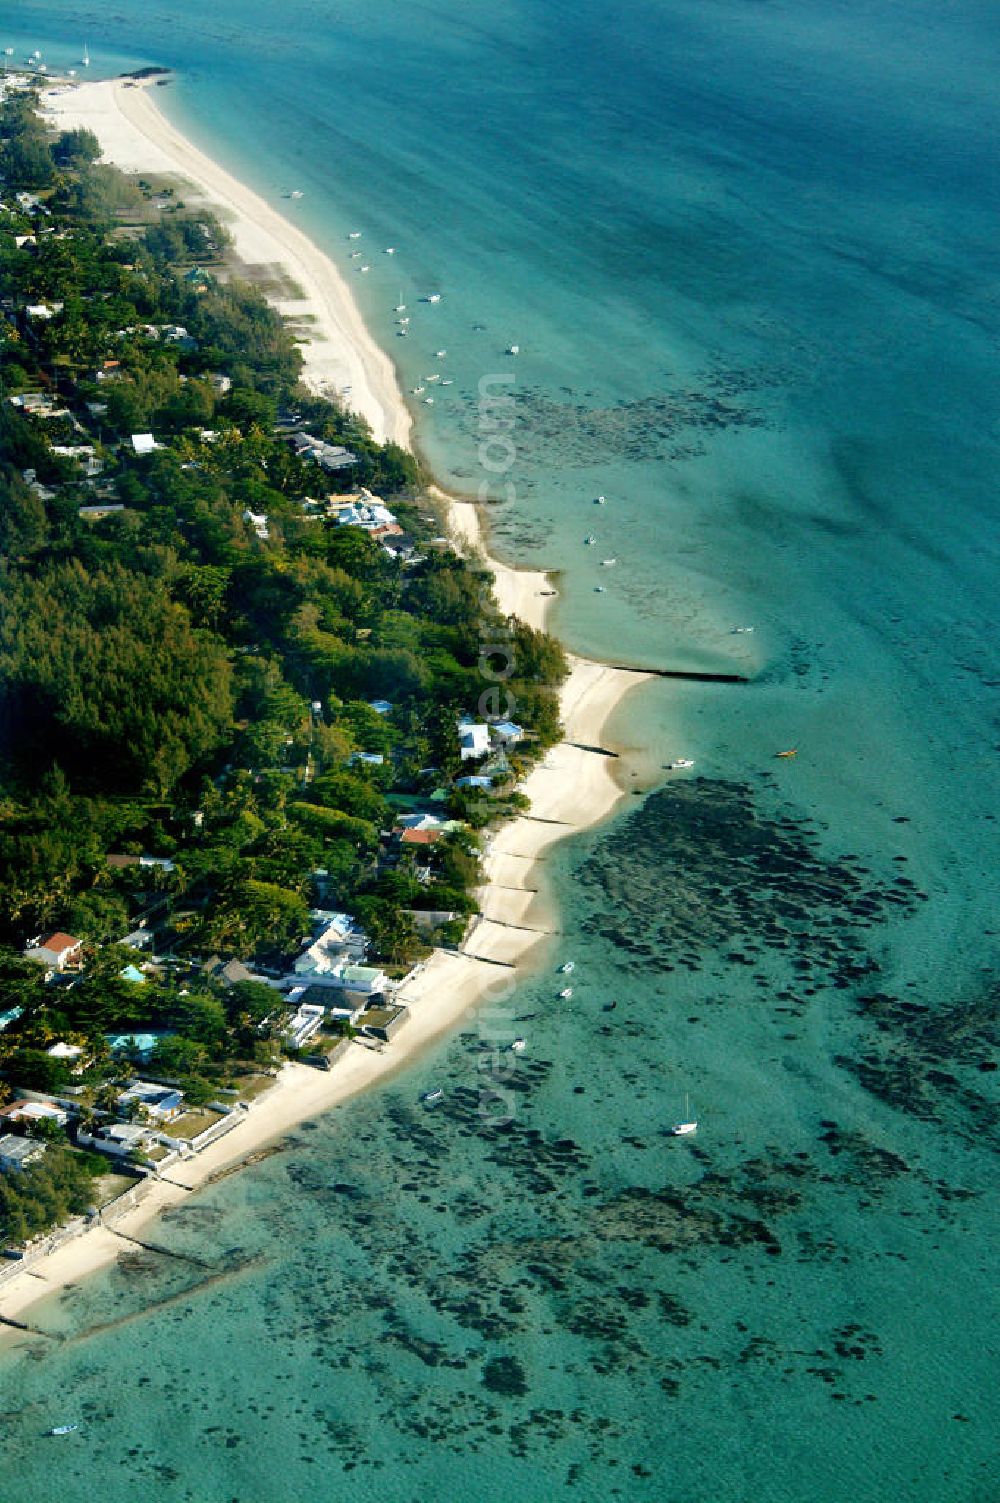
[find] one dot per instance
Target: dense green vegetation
(59, 1186)
(174, 684)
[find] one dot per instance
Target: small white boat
(85, 59)
(402, 333)
(434, 1094)
(417, 391)
(513, 349)
(608, 563)
(62, 1429)
(365, 268)
(295, 193)
(566, 992)
(434, 376)
(435, 297)
(428, 401)
(399, 308)
(680, 762)
(390, 250)
(447, 383)
(741, 631)
(440, 354)
(354, 235)
(590, 540)
(682, 1129)
(405, 320)
(519, 1046)
(599, 500)
(568, 967)
(600, 590)
(355, 255)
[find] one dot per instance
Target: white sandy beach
(572, 789)
(342, 360)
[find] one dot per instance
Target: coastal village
(269, 895)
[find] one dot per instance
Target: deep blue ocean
(747, 249)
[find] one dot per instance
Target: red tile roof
(420, 837)
(58, 942)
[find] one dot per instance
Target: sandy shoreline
(574, 787)
(342, 360)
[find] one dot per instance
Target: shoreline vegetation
(570, 788)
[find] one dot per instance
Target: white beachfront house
(473, 739)
(306, 1022)
(336, 942)
(144, 443)
(161, 1102)
(118, 1138)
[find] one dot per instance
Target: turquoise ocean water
(748, 254)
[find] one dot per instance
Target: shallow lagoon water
(747, 255)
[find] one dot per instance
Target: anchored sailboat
(681, 1129)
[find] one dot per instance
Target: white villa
(473, 739)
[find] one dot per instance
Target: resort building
(306, 1022)
(384, 1022)
(119, 1138)
(338, 941)
(18, 1154)
(258, 521)
(473, 740)
(160, 1102)
(55, 951)
(327, 456)
(34, 1111)
(507, 733)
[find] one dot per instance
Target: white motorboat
(519, 1046)
(678, 763)
(355, 255)
(599, 500)
(566, 992)
(590, 540)
(440, 354)
(608, 563)
(428, 401)
(365, 268)
(447, 383)
(295, 193)
(433, 1095)
(513, 349)
(741, 631)
(399, 308)
(354, 235)
(62, 1429)
(390, 250)
(435, 297)
(417, 391)
(568, 967)
(599, 590)
(434, 376)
